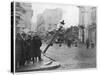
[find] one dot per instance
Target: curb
(41, 68)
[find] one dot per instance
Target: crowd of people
(27, 48)
(75, 42)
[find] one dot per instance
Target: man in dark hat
(27, 47)
(32, 49)
(87, 43)
(37, 45)
(35, 51)
(19, 50)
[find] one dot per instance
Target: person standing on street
(87, 43)
(37, 45)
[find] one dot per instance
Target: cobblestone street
(72, 58)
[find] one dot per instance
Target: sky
(70, 12)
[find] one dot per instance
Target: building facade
(47, 21)
(87, 23)
(23, 15)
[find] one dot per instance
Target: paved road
(72, 58)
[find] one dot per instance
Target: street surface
(72, 58)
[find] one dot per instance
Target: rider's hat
(62, 22)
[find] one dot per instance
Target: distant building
(87, 23)
(47, 21)
(92, 27)
(23, 15)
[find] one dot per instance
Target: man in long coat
(36, 47)
(19, 50)
(87, 43)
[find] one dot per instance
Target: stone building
(23, 15)
(92, 27)
(47, 21)
(87, 23)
